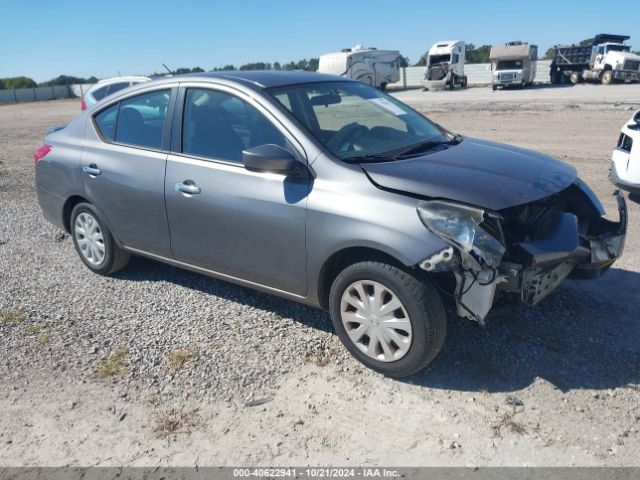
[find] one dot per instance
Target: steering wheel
(343, 136)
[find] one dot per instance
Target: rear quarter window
(106, 122)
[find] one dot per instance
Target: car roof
(260, 78)
(130, 78)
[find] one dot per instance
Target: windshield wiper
(422, 146)
(368, 158)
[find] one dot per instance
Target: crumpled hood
(486, 174)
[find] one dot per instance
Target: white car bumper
(625, 160)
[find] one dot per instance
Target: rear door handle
(188, 187)
(92, 170)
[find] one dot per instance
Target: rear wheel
(94, 243)
(575, 78)
(607, 77)
(389, 320)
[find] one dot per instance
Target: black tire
(494, 87)
(383, 86)
(607, 77)
(115, 258)
(464, 82)
(452, 82)
(422, 303)
(575, 78)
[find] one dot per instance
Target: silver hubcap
(89, 238)
(376, 321)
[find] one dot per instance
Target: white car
(106, 87)
(625, 161)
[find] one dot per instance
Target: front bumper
(628, 75)
(614, 178)
(539, 254)
(435, 84)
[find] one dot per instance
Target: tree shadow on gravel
(586, 335)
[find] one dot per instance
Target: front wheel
(94, 243)
(607, 77)
(388, 319)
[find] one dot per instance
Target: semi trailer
(374, 67)
(606, 60)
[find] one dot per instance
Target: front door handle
(92, 170)
(188, 187)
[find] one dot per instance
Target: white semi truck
(513, 64)
(445, 65)
(605, 60)
(374, 67)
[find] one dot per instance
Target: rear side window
(100, 93)
(141, 119)
(106, 122)
(114, 87)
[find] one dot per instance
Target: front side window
(141, 119)
(352, 119)
(220, 126)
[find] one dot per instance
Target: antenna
(119, 74)
(168, 69)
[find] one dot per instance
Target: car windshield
(509, 65)
(354, 120)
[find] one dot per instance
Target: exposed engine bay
(524, 251)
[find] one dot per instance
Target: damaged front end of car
(524, 251)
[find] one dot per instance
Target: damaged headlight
(460, 226)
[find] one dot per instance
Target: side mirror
(269, 158)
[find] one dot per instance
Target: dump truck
(513, 64)
(374, 67)
(606, 60)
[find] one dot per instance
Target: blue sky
(45, 39)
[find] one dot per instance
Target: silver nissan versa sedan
(328, 192)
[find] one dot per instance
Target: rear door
(123, 166)
(222, 217)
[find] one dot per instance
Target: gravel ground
(158, 366)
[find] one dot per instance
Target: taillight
(41, 153)
(83, 105)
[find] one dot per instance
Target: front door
(223, 217)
